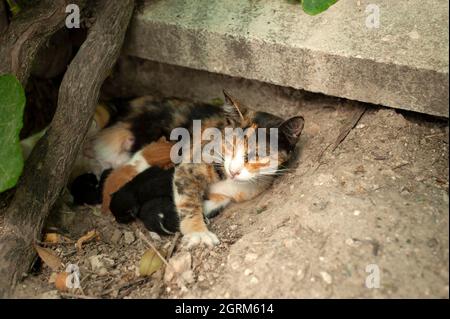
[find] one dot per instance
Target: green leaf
(13, 6)
(12, 103)
(314, 7)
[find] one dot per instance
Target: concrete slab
(401, 64)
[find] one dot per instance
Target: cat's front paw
(194, 239)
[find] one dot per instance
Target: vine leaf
(314, 7)
(12, 103)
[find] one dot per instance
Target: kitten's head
(265, 145)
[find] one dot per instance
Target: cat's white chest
(238, 191)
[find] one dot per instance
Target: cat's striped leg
(190, 184)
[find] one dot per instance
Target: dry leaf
(150, 262)
(54, 238)
(85, 238)
(48, 257)
(60, 281)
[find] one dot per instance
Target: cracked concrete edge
(392, 84)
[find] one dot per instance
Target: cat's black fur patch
(148, 197)
(86, 189)
(158, 119)
(202, 111)
(267, 120)
(159, 215)
(146, 129)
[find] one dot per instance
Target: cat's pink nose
(234, 173)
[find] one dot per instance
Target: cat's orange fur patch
(193, 224)
(240, 197)
(158, 154)
(256, 166)
(114, 182)
(217, 197)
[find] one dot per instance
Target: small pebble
(129, 237)
(188, 276)
(155, 236)
(326, 277)
(117, 234)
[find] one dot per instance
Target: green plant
(12, 103)
(13, 6)
(314, 7)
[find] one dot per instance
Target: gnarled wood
(46, 171)
(27, 33)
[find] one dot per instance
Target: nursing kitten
(87, 189)
(108, 142)
(148, 197)
(154, 154)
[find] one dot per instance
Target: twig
(172, 245)
(349, 126)
(319, 157)
(401, 165)
(435, 135)
(127, 284)
(148, 242)
(138, 224)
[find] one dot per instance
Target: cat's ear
(292, 128)
(233, 109)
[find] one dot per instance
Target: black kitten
(148, 197)
(86, 189)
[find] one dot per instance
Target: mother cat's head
(266, 146)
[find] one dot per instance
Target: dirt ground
(376, 205)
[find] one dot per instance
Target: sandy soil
(378, 203)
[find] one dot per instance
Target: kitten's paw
(200, 238)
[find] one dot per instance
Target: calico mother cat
(200, 189)
(204, 188)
